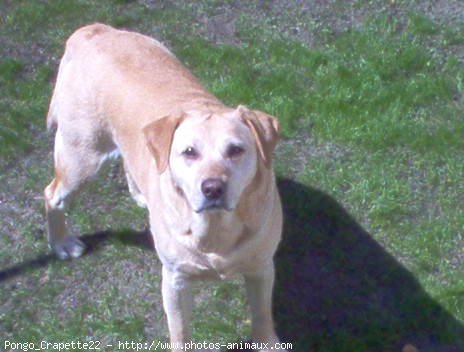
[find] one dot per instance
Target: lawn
(370, 167)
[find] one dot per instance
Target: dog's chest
(223, 267)
(210, 265)
(216, 253)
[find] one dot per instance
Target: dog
(203, 170)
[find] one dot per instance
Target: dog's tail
(52, 122)
(52, 115)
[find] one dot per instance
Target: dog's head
(212, 158)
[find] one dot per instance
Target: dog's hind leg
(64, 245)
(76, 160)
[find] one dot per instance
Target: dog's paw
(70, 247)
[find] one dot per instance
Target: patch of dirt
(443, 11)
(299, 150)
(304, 20)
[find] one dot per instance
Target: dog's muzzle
(213, 190)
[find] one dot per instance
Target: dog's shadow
(337, 289)
(93, 242)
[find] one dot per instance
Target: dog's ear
(159, 135)
(265, 129)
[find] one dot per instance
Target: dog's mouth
(211, 206)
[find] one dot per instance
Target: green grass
(367, 87)
(371, 116)
(23, 100)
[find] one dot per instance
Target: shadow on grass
(94, 243)
(21, 268)
(338, 290)
(141, 239)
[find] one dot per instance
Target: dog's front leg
(259, 291)
(177, 302)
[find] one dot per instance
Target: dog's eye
(190, 153)
(235, 151)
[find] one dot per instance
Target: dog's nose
(213, 188)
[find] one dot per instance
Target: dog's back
(141, 79)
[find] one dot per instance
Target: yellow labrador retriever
(202, 169)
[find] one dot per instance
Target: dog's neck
(215, 231)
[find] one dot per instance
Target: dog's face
(212, 158)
